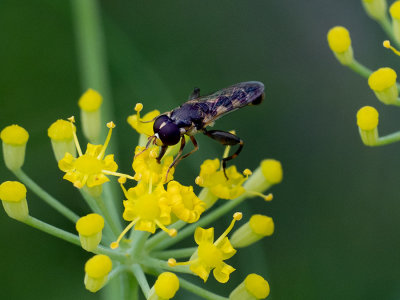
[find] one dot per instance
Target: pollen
(339, 39)
(90, 101)
(138, 107)
(14, 135)
(367, 118)
(382, 79)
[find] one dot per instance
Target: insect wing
(229, 99)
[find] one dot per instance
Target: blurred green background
(337, 210)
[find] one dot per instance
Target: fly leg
(227, 139)
(195, 94)
(161, 154)
(178, 157)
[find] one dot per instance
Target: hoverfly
(199, 112)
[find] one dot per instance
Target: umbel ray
(199, 112)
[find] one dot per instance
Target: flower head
(166, 286)
(89, 168)
(14, 139)
(212, 177)
(13, 197)
(253, 287)
(210, 255)
(148, 169)
(96, 272)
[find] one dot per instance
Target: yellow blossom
(13, 198)
(62, 138)
(254, 287)
(340, 43)
(165, 287)
(148, 169)
(383, 83)
(89, 168)
(210, 255)
(90, 229)
(367, 121)
(213, 178)
(184, 202)
(146, 207)
(14, 139)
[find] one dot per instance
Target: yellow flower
(90, 229)
(340, 43)
(14, 139)
(213, 178)
(137, 123)
(13, 197)
(166, 286)
(146, 208)
(90, 103)
(367, 121)
(184, 202)
(89, 168)
(210, 255)
(383, 83)
(148, 169)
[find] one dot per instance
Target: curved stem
(141, 279)
(46, 197)
(199, 291)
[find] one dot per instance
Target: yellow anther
(138, 107)
(71, 119)
(199, 180)
(172, 232)
(247, 172)
(387, 45)
(237, 216)
(114, 245)
(137, 177)
(269, 197)
(122, 179)
(111, 124)
(172, 262)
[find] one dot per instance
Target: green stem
(162, 235)
(139, 240)
(157, 264)
(97, 205)
(387, 28)
(141, 279)
(199, 291)
(176, 253)
(360, 69)
(388, 139)
(50, 200)
(69, 237)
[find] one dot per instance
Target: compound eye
(159, 121)
(169, 134)
(259, 99)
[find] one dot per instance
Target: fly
(199, 112)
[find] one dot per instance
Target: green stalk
(388, 139)
(199, 291)
(46, 197)
(137, 271)
(176, 253)
(162, 235)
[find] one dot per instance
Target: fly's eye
(159, 121)
(259, 99)
(169, 134)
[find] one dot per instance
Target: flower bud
(90, 103)
(395, 13)
(376, 9)
(269, 173)
(14, 139)
(340, 43)
(367, 122)
(62, 138)
(165, 287)
(13, 197)
(252, 288)
(96, 272)
(258, 227)
(383, 83)
(90, 231)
